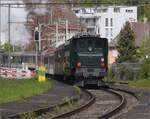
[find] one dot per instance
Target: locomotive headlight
(102, 59)
(78, 64)
(90, 48)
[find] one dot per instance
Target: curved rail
(117, 108)
(39, 112)
(126, 91)
(88, 104)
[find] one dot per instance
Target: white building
(106, 21)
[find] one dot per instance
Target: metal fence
(126, 71)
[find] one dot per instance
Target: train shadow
(92, 86)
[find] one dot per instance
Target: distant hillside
(120, 2)
(143, 7)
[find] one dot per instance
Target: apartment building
(106, 21)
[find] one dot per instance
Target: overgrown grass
(142, 83)
(12, 90)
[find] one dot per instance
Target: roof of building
(141, 31)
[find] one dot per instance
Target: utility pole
(56, 33)
(9, 52)
(66, 30)
(51, 21)
(36, 39)
(149, 29)
(0, 24)
(40, 25)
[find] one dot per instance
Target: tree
(7, 46)
(144, 49)
(144, 56)
(126, 45)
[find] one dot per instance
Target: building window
(76, 11)
(86, 20)
(111, 32)
(111, 21)
(117, 9)
(129, 11)
(106, 32)
(106, 22)
(102, 10)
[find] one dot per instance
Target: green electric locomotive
(83, 59)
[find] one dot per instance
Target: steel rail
(117, 108)
(79, 109)
(109, 114)
(90, 102)
(41, 111)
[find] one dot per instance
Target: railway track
(108, 103)
(100, 103)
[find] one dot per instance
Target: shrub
(145, 69)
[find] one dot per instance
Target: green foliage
(28, 115)
(77, 89)
(143, 10)
(126, 45)
(144, 56)
(145, 69)
(145, 83)
(7, 46)
(144, 49)
(126, 73)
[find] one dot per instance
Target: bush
(126, 71)
(145, 69)
(110, 72)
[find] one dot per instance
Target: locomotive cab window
(82, 44)
(99, 44)
(90, 45)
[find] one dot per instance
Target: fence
(15, 73)
(126, 71)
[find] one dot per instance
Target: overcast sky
(19, 34)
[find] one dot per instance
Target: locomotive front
(90, 59)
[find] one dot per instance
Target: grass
(12, 90)
(141, 83)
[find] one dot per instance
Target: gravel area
(140, 110)
(131, 102)
(105, 102)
